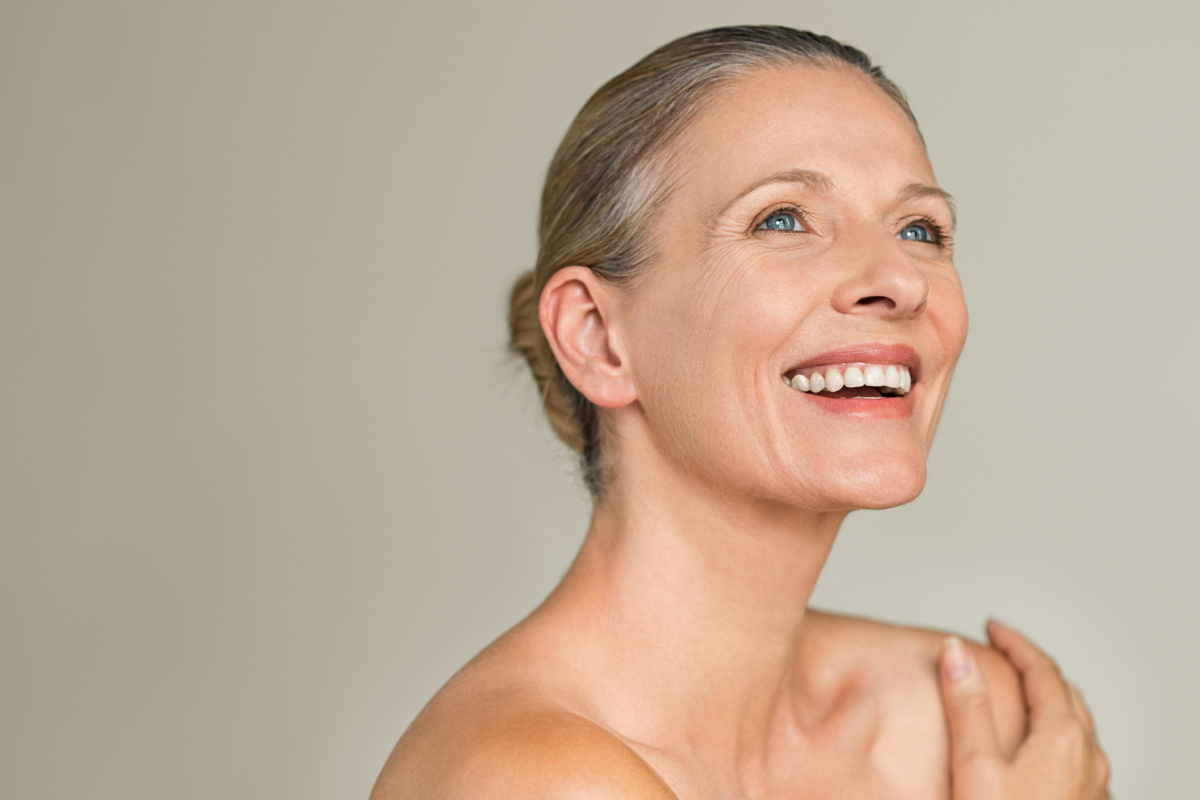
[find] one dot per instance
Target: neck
(689, 605)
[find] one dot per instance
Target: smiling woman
(745, 316)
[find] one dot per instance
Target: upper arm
(1008, 697)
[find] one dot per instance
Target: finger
(968, 705)
(1045, 690)
(1076, 703)
(1080, 708)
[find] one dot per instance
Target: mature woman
(744, 315)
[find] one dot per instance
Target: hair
(607, 178)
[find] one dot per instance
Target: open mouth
(852, 380)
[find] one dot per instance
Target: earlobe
(576, 312)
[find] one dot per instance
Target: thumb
(968, 705)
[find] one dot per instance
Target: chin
(877, 485)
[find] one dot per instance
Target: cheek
(951, 317)
(752, 304)
(701, 354)
(948, 313)
(945, 314)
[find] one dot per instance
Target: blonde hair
(606, 180)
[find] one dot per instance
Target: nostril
(880, 300)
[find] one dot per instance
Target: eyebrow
(820, 182)
(915, 191)
(817, 181)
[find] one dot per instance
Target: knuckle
(970, 704)
(1044, 675)
(1075, 740)
(1051, 669)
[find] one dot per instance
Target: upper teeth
(892, 379)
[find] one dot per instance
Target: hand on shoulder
(1059, 758)
(913, 654)
(1003, 682)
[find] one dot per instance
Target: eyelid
(786, 208)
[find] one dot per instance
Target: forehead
(832, 120)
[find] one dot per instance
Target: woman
(745, 316)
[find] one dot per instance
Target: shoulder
(512, 746)
(914, 652)
(555, 754)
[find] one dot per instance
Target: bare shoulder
(511, 742)
(917, 650)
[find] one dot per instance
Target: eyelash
(940, 236)
(796, 211)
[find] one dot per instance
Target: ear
(576, 312)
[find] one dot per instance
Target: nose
(880, 279)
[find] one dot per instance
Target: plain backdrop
(268, 475)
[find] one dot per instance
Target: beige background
(269, 478)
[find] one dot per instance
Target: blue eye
(781, 221)
(916, 232)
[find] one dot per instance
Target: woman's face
(804, 234)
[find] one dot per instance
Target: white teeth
(893, 380)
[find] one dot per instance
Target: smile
(853, 380)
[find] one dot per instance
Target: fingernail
(957, 659)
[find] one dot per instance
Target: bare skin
(515, 723)
(678, 658)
